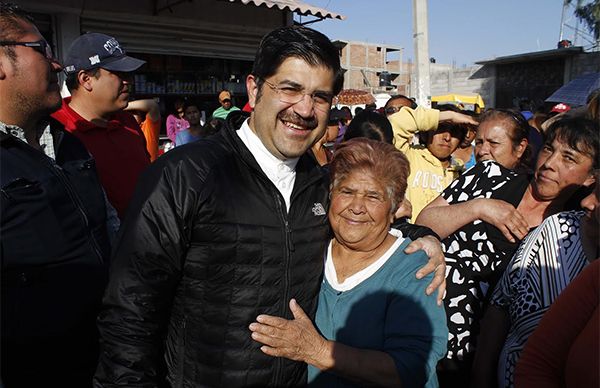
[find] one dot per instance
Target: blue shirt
(184, 137)
(389, 312)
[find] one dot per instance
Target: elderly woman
(483, 215)
(377, 325)
(502, 135)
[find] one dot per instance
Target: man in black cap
(99, 77)
(54, 244)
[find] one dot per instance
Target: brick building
(369, 65)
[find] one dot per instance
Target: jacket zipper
(286, 276)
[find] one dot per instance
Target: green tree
(589, 14)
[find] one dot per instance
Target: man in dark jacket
(54, 244)
(224, 229)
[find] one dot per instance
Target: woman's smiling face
(360, 212)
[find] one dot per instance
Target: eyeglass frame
(41, 46)
(329, 97)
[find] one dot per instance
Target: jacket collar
(307, 169)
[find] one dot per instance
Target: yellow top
(428, 178)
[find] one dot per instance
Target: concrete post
(421, 41)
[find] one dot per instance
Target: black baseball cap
(93, 50)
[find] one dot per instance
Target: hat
(560, 108)
(93, 50)
(527, 114)
(224, 95)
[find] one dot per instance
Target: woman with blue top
(374, 323)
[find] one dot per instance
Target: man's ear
(590, 180)
(2, 73)
(85, 80)
(5, 65)
(252, 88)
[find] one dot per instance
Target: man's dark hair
(72, 80)
(296, 41)
(10, 29)
(413, 104)
(371, 125)
(190, 103)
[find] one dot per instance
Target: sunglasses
(41, 46)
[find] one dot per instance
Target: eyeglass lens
(321, 101)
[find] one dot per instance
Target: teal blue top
(389, 311)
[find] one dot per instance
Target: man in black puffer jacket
(224, 229)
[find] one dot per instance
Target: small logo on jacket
(318, 209)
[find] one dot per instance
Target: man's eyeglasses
(290, 95)
(41, 46)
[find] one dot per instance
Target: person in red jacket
(99, 77)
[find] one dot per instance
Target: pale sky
(460, 31)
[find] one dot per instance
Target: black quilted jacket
(207, 246)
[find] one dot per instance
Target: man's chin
(53, 106)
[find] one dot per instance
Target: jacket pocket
(22, 188)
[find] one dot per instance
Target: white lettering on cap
(112, 45)
(95, 59)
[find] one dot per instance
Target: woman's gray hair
(382, 160)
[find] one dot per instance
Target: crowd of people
(287, 243)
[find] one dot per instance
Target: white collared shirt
(354, 280)
(281, 172)
(45, 136)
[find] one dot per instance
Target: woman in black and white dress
(482, 217)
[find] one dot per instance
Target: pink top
(175, 125)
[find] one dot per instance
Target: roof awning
(294, 6)
(533, 56)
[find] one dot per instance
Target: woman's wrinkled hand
(436, 263)
(295, 339)
(505, 217)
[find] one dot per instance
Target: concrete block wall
(471, 80)
(585, 63)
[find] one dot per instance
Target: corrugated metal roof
(531, 56)
(294, 6)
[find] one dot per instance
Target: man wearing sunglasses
(100, 78)
(54, 244)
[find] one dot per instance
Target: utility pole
(421, 41)
(562, 19)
